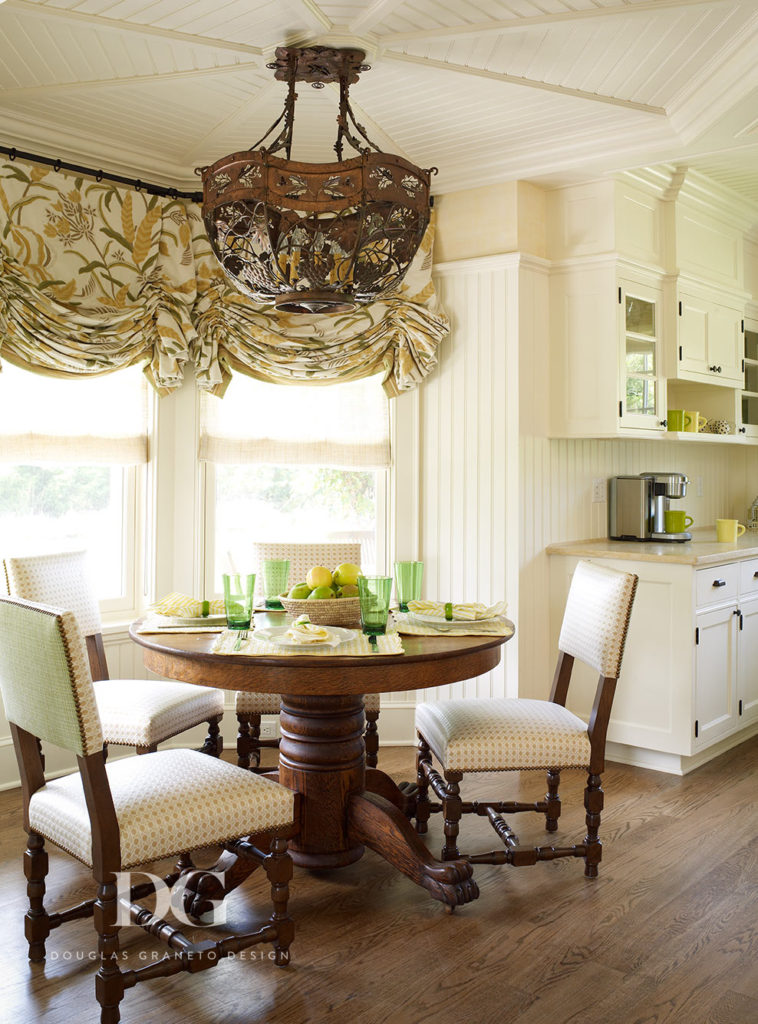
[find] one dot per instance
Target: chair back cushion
(45, 678)
(61, 580)
(303, 557)
(596, 618)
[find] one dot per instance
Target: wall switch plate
(599, 489)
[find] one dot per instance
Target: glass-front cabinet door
(642, 399)
(750, 387)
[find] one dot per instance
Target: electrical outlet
(268, 729)
(599, 492)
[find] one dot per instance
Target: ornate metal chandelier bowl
(316, 238)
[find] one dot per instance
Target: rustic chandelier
(315, 238)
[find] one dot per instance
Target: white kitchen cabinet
(747, 660)
(748, 411)
(689, 680)
(606, 346)
(709, 336)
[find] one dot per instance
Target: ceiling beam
(46, 12)
(531, 83)
(163, 76)
(374, 14)
(315, 11)
(518, 24)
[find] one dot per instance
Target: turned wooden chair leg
(109, 982)
(593, 805)
(36, 921)
(214, 742)
(278, 867)
(371, 739)
(553, 801)
(423, 809)
(248, 736)
(451, 810)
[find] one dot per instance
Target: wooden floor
(668, 934)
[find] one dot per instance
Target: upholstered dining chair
(131, 812)
(250, 706)
(505, 735)
(139, 713)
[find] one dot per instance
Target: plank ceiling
(485, 90)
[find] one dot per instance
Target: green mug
(678, 419)
(676, 521)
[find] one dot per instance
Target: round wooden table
(343, 805)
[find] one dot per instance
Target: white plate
(277, 635)
(196, 620)
(442, 622)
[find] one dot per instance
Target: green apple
(349, 590)
(318, 576)
(347, 573)
(319, 593)
(300, 592)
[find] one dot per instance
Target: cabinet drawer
(716, 584)
(749, 576)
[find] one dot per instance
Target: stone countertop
(703, 549)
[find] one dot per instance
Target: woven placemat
(161, 624)
(358, 647)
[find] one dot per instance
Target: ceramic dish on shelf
(278, 635)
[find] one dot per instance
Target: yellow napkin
(469, 612)
(302, 631)
(187, 607)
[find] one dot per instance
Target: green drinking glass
(238, 599)
(408, 577)
(276, 574)
(374, 594)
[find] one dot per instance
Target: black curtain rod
(98, 175)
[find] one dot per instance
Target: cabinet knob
(742, 430)
(719, 583)
(755, 575)
(662, 422)
(715, 369)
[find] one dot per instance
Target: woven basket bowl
(340, 611)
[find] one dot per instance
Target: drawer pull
(719, 583)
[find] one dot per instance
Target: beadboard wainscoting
(456, 458)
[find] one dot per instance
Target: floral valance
(95, 277)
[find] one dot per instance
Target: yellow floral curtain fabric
(95, 277)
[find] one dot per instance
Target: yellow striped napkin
(468, 612)
(187, 607)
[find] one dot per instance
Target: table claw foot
(202, 891)
(379, 824)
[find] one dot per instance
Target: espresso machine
(637, 506)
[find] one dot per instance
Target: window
(69, 471)
(329, 481)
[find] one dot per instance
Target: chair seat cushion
(490, 735)
(166, 802)
(141, 712)
(269, 703)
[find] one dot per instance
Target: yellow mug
(728, 530)
(676, 521)
(696, 422)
